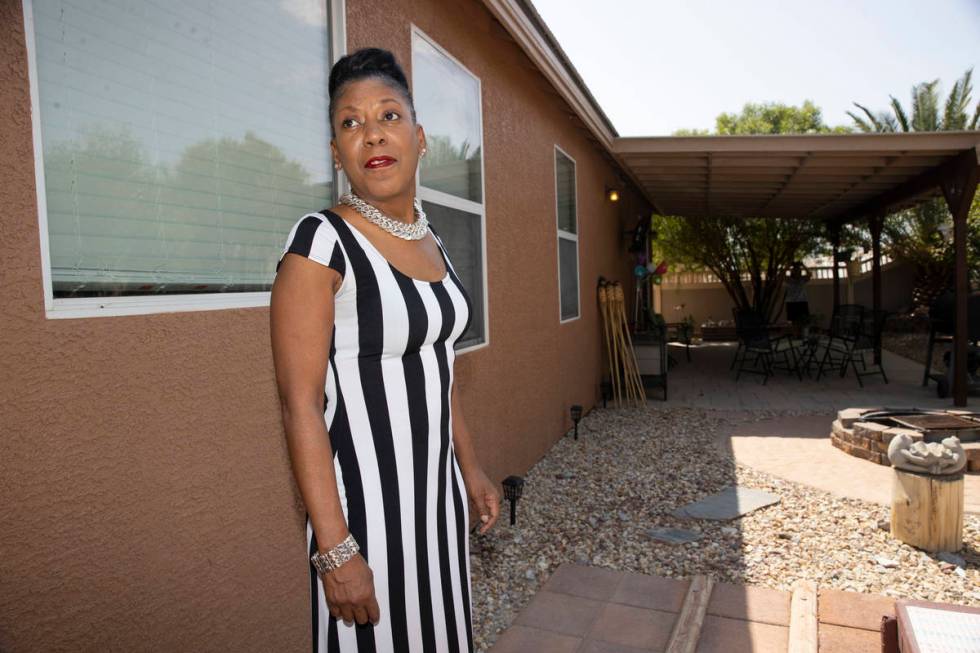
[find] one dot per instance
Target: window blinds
(181, 140)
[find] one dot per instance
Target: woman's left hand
(484, 497)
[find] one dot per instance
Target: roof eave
(523, 23)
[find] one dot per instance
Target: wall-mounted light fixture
(612, 194)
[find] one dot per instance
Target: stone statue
(946, 457)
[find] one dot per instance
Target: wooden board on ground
(687, 629)
(803, 618)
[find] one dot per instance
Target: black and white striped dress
(387, 410)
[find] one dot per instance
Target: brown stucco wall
(146, 499)
(517, 392)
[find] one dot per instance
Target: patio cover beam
(830, 177)
(959, 187)
(927, 182)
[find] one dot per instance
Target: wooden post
(927, 510)
(959, 191)
(876, 223)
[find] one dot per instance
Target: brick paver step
(583, 609)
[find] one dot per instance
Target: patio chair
(740, 317)
(844, 324)
(857, 338)
(758, 346)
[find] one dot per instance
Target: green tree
(775, 118)
(922, 236)
(749, 255)
(739, 251)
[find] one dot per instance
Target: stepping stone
(728, 504)
(673, 535)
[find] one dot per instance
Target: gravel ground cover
(592, 501)
(913, 346)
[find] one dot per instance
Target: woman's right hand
(349, 591)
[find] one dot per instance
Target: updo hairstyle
(368, 63)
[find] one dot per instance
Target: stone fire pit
(866, 432)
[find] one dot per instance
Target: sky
(656, 66)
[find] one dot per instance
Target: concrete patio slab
(798, 449)
(728, 504)
(673, 535)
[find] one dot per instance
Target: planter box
(718, 334)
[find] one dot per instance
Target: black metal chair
(757, 345)
(844, 324)
(858, 334)
(737, 317)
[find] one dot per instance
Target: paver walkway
(592, 610)
(798, 449)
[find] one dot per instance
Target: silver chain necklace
(413, 231)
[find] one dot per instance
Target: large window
(567, 235)
(447, 101)
(177, 143)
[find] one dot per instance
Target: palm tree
(925, 110)
(920, 236)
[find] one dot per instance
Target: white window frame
(80, 307)
(453, 201)
(567, 235)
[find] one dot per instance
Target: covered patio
(834, 178)
(706, 382)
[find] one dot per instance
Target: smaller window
(447, 99)
(567, 218)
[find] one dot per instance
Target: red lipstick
(378, 162)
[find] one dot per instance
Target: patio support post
(835, 242)
(959, 189)
(875, 223)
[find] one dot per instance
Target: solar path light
(576, 416)
(513, 487)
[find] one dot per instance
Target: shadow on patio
(706, 382)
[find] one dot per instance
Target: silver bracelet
(338, 555)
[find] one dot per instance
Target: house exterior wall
(146, 498)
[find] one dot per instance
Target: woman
(366, 308)
(797, 306)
